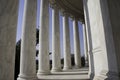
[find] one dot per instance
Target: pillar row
(28, 42)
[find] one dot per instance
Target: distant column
(56, 61)
(66, 42)
(76, 41)
(28, 42)
(85, 44)
(44, 66)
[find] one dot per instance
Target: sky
(19, 28)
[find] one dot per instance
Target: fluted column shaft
(28, 41)
(66, 43)
(56, 61)
(85, 44)
(44, 67)
(76, 41)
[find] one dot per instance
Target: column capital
(53, 5)
(52, 1)
(75, 18)
(64, 13)
(83, 22)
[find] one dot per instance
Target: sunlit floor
(73, 74)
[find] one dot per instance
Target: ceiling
(74, 7)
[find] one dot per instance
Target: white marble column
(77, 53)
(28, 42)
(56, 61)
(89, 41)
(8, 28)
(89, 49)
(66, 42)
(44, 66)
(103, 26)
(85, 44)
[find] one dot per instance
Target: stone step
(63, 79)
(74, 74)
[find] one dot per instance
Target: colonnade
(27, 61)
(101, 39)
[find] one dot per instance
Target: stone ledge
(73, 74)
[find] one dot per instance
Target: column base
(43, 72)
(25, 77)
(67, 68)
(86, 64)
(56, 70)
(91, 76)
(107, 76)
(77, 67)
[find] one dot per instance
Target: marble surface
(56, 61)
(28, 41)
(44, 38)
(72, 74)
(102, 28)
(8, 25)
